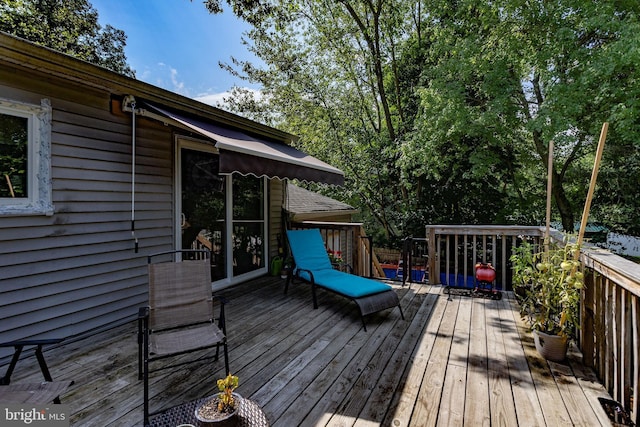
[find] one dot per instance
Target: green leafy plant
(548, 284)
(226, 401)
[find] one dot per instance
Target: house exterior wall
(276, 201)
(76, 270)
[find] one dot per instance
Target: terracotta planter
(551, 347)
(226, 420)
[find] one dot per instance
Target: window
(248, 223)
(25, 158)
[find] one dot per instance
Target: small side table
(249, 415)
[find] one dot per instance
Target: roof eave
(27, 55)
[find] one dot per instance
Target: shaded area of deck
(452, 361)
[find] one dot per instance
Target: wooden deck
(453, 361)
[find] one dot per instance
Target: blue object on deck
(389, 273)
(417, 275)
(346, 284)
(312, 264)
(457, 281)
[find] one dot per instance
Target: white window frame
(39, 197)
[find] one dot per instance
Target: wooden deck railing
(457, 249)
(609, 321)
(348, 241)
(609, 331)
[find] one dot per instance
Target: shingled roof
(304, 204)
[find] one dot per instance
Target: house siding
(75, 271)
(276, 200)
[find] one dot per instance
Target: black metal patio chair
(180, 316)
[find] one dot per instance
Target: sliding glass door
(207, 200)
(248, 224)
(203, 207)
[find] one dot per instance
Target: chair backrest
(179, 293)
(308, 250)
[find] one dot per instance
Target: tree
(443, 111)
(326, 79)
(68, 26)
(522, 73)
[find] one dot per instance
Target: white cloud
(213, 98)
(217, 98)
(166, 77)
(178, 86)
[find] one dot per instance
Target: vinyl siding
(74, 271)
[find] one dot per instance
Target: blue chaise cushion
(310, 253)
(346, 284)
(308, 250)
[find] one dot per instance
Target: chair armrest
(143, 312)
(312, 280)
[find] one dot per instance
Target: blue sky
(177, 44)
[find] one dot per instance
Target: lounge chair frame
(367, 304)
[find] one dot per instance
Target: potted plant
(222, 409)
(335, 257)
(548, 284)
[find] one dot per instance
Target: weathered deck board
(477, 390)
(503, 411)
(528, 408)
(453, 361)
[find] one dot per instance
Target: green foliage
(442, 112)
(226, 386)
(13, 156)
(68, 26)
(549, 284)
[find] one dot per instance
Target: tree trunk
(563, 204)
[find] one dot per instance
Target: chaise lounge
(312, 265)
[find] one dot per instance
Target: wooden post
(549, 191)
(592, 184)
(10, 185)
(432, 251)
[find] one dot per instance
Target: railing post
(369, 252)
(433, 256)
(406, 259)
